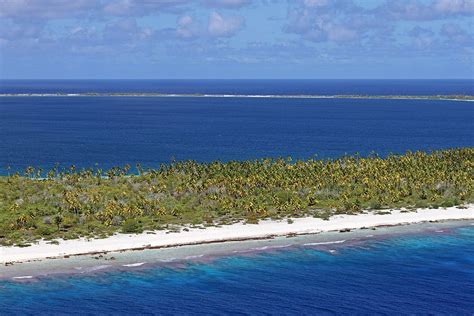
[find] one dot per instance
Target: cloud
(324, 20)
(316, 3)
(349, 24)
(57, 9)
(420, 31)
(226, 4)
(422, 38)
(187, 27)
(195, 31)
(340, 33)
(143, 7)
(418, 10)
(45, 9)
(221, 26)
(454, 7)
(13, 31)
(126, 31)
(450, 38)
(453, 33)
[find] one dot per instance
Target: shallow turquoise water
(428, 273)
(431, 273)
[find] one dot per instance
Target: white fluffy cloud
(221, 26)
(187, 27)
(336, 30)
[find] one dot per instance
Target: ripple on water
(415, 274)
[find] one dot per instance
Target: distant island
(281, 96)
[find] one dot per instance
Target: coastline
(466, 98)
(266, 229)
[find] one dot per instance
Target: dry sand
(239, 231)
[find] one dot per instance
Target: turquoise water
(428, 273)
(423, 273)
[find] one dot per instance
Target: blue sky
(236, 39)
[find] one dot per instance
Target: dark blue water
(247, 87)
(431, 273)
(409, 275)
(42, 131)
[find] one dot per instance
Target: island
(71, 211)
(449, 97)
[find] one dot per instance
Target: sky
(274, 39)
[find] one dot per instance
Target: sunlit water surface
(422, 273)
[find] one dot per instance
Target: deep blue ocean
(110, 131)
(427, 273)
(245, 87)
(415, 274)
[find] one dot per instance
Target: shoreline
(467, 98)
(266, 229)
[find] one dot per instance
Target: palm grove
(71, 203)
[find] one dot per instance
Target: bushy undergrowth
(72, 203)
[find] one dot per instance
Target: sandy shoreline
(235, 232)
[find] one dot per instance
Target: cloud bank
(270, 35)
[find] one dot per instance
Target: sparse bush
(73, 202)
(132, 226)
(117, 220)
(47, 220)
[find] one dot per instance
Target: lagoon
(110, 131)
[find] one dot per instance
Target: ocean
(111, 131)
(425, 273)
(245, 87)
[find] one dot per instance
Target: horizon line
(276, 79)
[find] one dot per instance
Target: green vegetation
(92, 203)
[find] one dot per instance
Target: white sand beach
(234, 232)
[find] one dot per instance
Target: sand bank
(234, 232)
